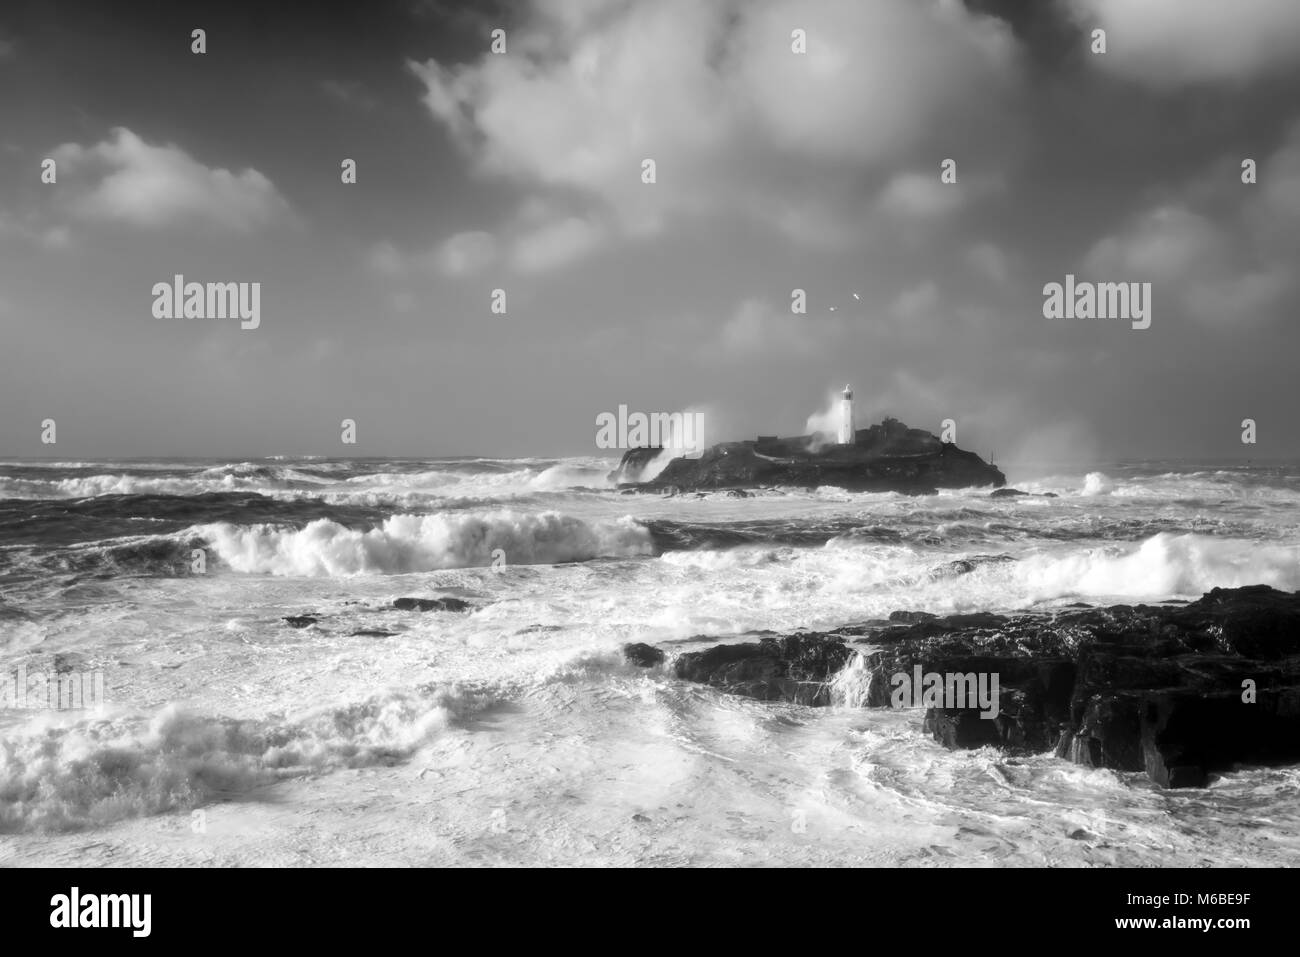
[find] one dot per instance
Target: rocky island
(889, 457)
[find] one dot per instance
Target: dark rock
(911, 617)
(431, 604)
(371, 633)
(1256, 621)
(885, 457)
(960, 728)
(1160, 689)
(539, 629)
(1157, 689)
(790, 668)
(1006, 493)
(643, 655)
(301, 621)
(633, 464)
(964, 566)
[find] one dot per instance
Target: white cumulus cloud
(148, 186)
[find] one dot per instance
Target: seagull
(832, 309)
(856, 296)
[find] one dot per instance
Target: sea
(262, 702)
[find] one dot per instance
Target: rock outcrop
(1177, 691)
(431, 604)
(886, 457)
(643, 655)
(778, 668)
(631, 468)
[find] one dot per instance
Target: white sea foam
(1163, 565)
(57, 774)
(414, 543)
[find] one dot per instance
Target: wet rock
(790, 668)
(964, 566)
(960, 728)
(911, 617)
(300, 621)
(1180, 692)
(633, 464)
(642, 655)
(431, 604)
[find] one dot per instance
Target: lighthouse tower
(847, 433)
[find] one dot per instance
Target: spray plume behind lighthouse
(827, 426)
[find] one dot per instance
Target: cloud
(1162, 244)
(989, 261)
(539, 239)
(1191, 263)
(556, 244)
(1278, 205)
(465, 253)
(917, 302)
(1235, 267)
(349, 93)
(916, 196)
(1172, 43)
(757, 329)
(157, 186)
(29, 227)
(387, 260)
(738, 124)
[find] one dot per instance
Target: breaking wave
(61, 777)
(415, 543)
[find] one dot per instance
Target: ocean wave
(556, 476)
(1165, 564)
(68, 771)
(415, 543)
(64, 776)
(246, 478)
(1097, 483)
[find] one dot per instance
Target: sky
(522, 171)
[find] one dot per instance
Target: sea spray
(851, 685)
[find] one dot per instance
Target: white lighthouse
(846, 417)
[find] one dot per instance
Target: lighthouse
(846, 417)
